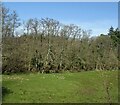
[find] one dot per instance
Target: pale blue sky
(98, 16)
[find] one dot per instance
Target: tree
(15, 22)
(111, 30)
(6, 22)
(47, 45)
(115, 35)
(10, 22)
(50, 58)
(27, 26)
(37, 61)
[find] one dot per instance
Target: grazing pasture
(82, 87)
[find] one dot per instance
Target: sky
(97, 16)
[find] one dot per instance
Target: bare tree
(35, 25)
(10, 22)
(27, 26)
(15, 22)
(6, 21)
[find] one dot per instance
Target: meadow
(82, 87)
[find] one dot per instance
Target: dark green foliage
(115, 35)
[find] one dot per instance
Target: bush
(13, 65)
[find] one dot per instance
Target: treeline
(46, 45)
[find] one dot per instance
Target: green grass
(82, 87)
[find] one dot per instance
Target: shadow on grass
(5, 91)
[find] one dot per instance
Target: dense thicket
(46, 45)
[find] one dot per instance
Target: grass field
(82, 87)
